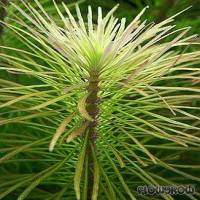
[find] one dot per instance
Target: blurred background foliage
(158, 9)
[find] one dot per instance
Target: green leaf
(59, 131)
(22, 148)
(79, 167)
(96, 181)
(120, 177)
(44, 176)
(82, 108)
(79, 131)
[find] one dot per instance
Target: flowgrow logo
(167, 189)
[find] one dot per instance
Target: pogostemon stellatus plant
(105, 105)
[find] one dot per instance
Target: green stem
(93, 110)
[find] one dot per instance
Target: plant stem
(93, 110)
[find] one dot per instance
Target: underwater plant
(92, 110)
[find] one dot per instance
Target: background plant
(148, 124)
